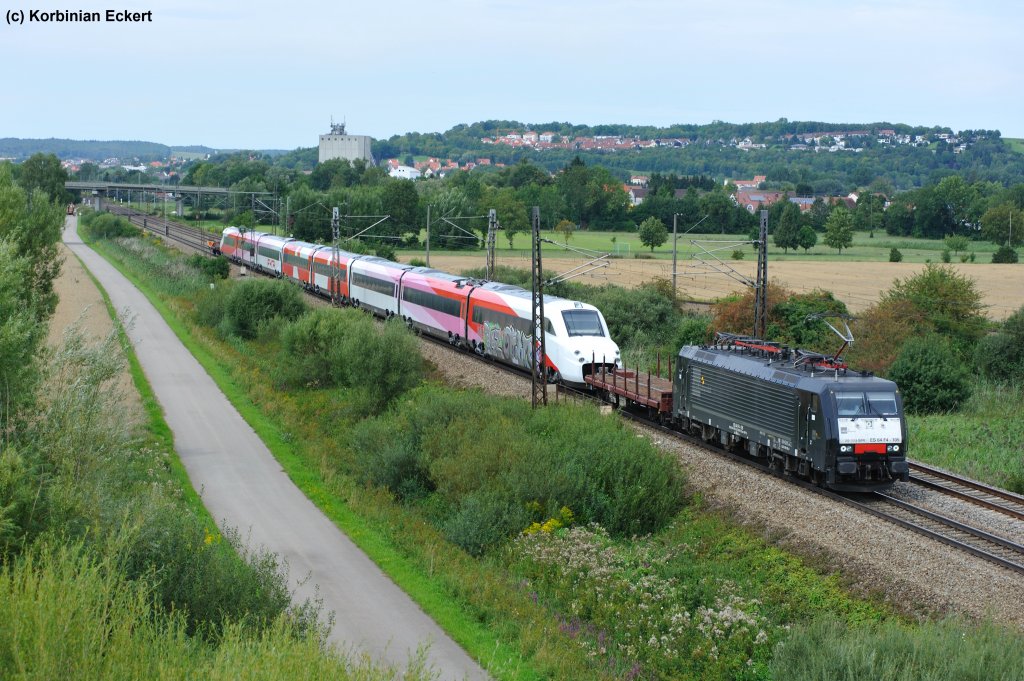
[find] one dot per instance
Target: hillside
(831, 157)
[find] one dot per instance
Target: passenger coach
(491, 318)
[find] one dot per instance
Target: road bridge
(262, 204)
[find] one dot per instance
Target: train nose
(605, 352)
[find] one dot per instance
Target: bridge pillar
(179, 207)
(99, 203)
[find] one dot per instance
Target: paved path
(244, 487)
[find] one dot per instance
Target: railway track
(972, 540)
(976, 493)
(941, 528)
(167, 229)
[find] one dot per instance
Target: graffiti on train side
(507, 343)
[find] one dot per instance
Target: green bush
(348, 349)
(949, 303)
(895, 255)
(310, 347)
(942, 651)
(211, 268)
(391, 459)
(491, 466)
(1001, 356)
(738, 254)
(69, 614)
(257, 301)
(1005, 254)
(930, 376)
(209, 577)
(211, 306)
(379, 363)
(946, 255)
(109, 226)
(91, 482)
(384, 250)
(692, 330)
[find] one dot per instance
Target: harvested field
(858, 284)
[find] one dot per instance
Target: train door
(811, 440)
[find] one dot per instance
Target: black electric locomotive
(802, 413)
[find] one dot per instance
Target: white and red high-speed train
(492, 318)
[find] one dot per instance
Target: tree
(565, 228)
(869, 214)
(996, 223)
(400, 200)
(43, 171)
(653, 233)
(820, 210)
(720, 211)
(899, 218)
(957, 243)
(958, 197)
(839, 229)
(786, 232)
(29, 263)
(949, 303)
(334, 172)
(806, 238)
(513, 215)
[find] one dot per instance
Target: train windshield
(871, 403)
(583, 323)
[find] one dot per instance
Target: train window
(866, 404)
(850, 404)
(485, 315)
(583, 323)
(883, 403)
(374, 284)
(549, 328)
(432, 300)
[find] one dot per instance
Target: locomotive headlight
(844, 448)
(893, 448)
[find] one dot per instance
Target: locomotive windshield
(583, 323)
(853, 404)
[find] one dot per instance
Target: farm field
(857, 277)
(857, 283)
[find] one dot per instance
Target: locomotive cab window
(866, 404)
(583, 323)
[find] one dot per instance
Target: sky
(272, 75)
